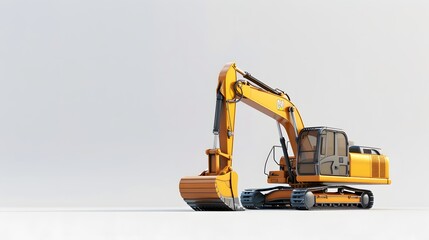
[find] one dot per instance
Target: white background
(107, 104)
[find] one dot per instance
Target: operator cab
(323, 151)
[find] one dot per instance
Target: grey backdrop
(109, 103)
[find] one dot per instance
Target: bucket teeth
(214, 204)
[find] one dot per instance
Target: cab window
(341, 144)
(308, 143)
(330, 144)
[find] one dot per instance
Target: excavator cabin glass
(323, 151)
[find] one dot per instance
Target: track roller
(366, 200)
(252, 199)
(302, 199)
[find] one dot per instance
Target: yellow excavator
(314, 176)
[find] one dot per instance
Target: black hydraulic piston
(218, 110)
(288, 165)
(256, 81)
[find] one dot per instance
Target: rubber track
(251, 200)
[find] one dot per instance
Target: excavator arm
(216, 188)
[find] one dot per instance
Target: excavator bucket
(216, 188)
(212, 192)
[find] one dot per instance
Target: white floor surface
(106, 224)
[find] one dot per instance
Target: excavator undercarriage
(307, 198)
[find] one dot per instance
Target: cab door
(333, 156)
(341, 145)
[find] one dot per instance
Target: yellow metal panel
(375, 166)
(279, 194)
(277, 177)
(337, 198)
(360, 165)
(387, 166)
(369, 166)
(345, 180)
